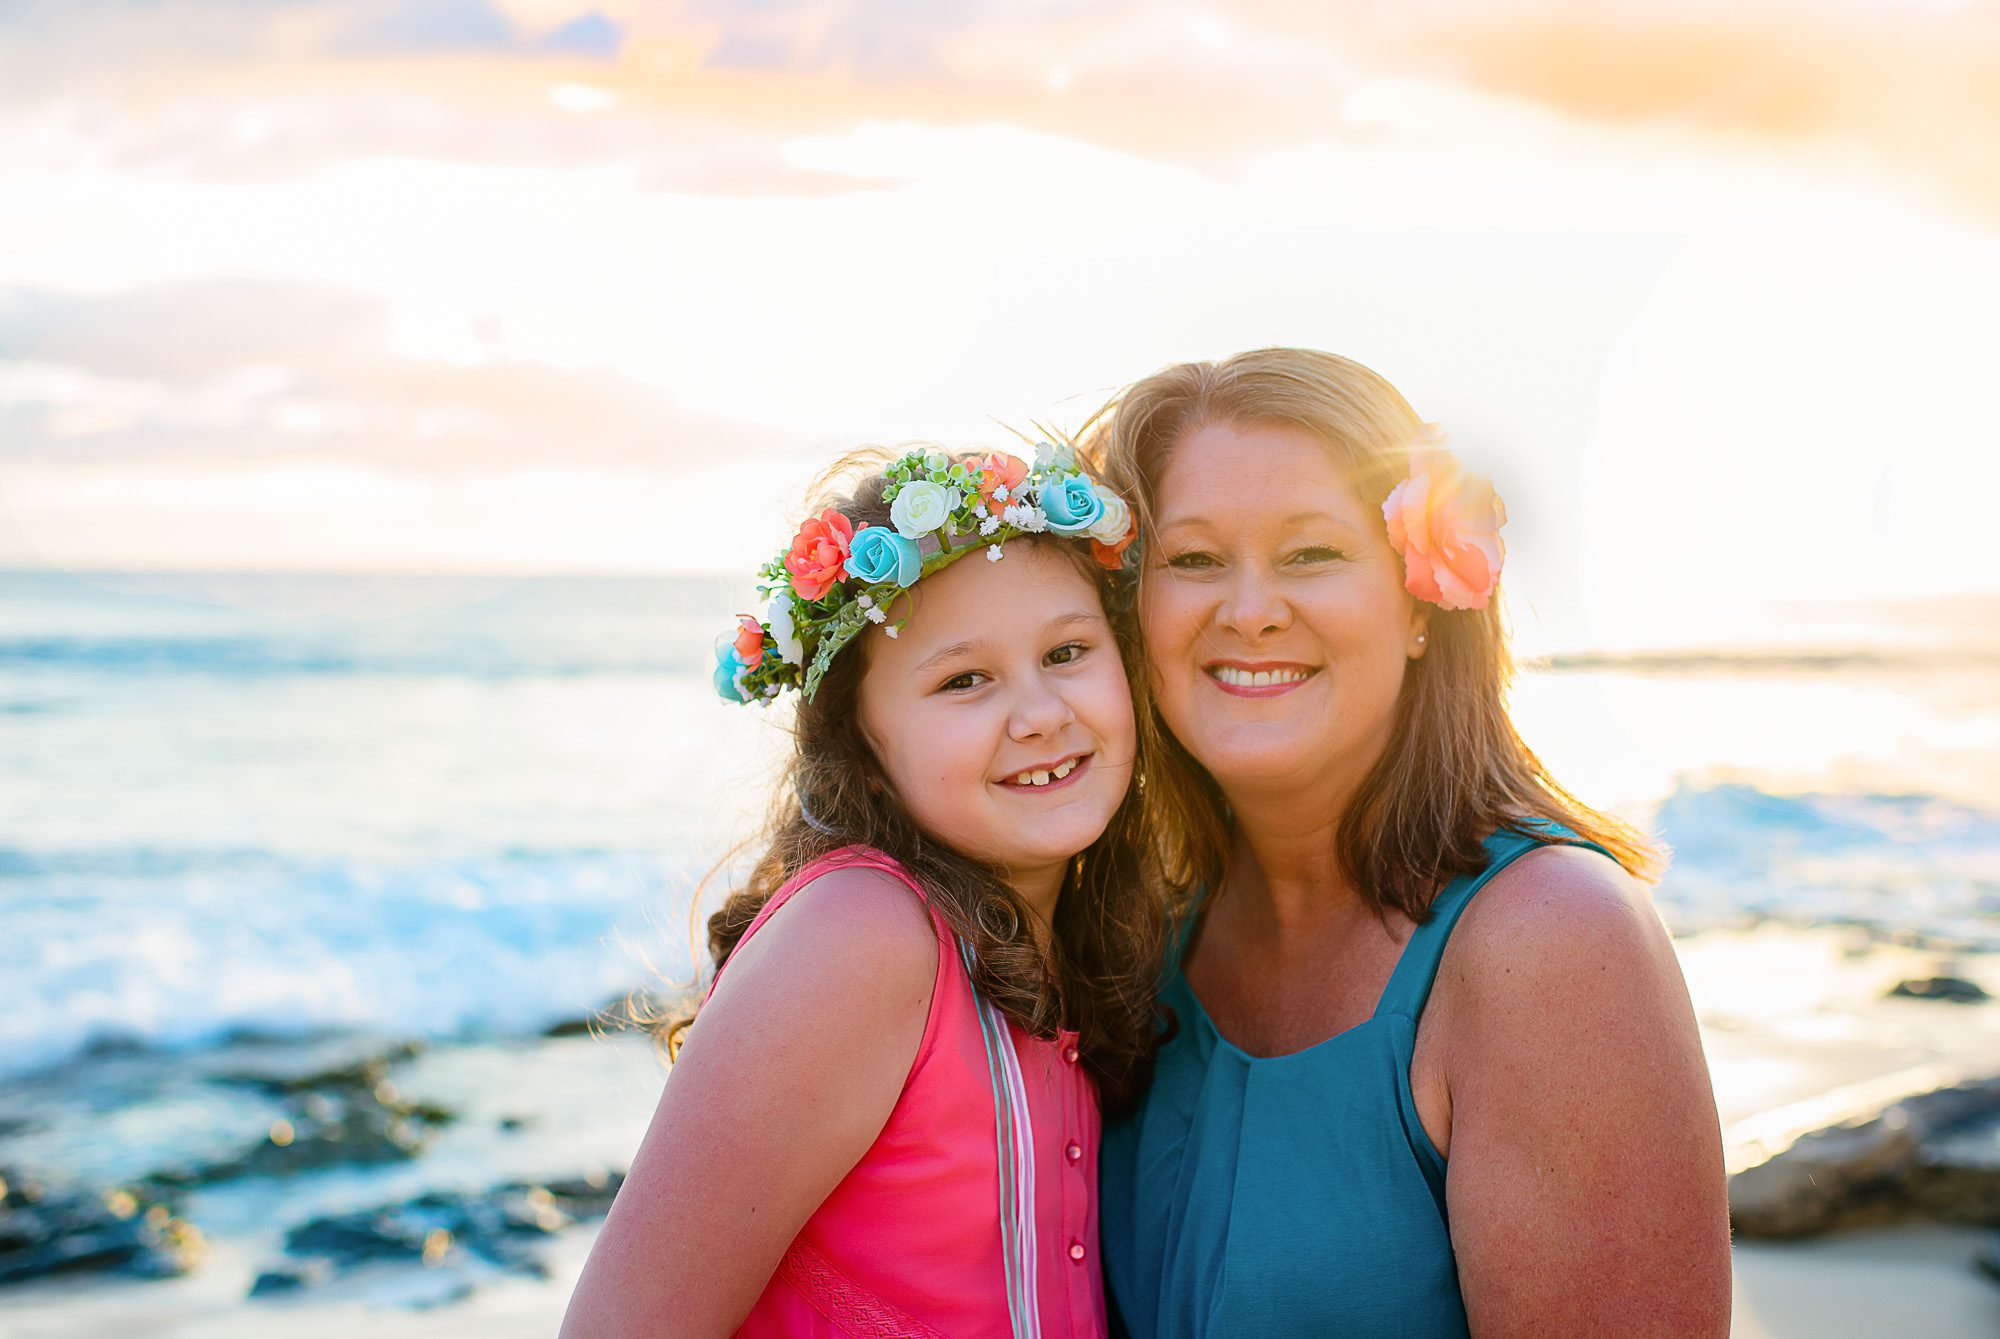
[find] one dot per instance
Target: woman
(1433, 1070)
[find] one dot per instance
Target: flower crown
(837, 578)
(1446, 525)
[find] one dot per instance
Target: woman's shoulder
(1559, 926)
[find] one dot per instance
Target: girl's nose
(1040, 710)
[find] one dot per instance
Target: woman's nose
(1253, 606)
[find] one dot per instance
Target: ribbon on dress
(1015, 1136)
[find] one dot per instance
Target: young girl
(885, 1119)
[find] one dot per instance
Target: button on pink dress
(909, 1242)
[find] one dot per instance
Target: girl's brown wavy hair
(1455, 768)
(1108, 936)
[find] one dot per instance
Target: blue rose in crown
(1072, 505)
(879, 554)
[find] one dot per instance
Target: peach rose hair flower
(1446, 525)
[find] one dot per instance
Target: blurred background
(396, 397)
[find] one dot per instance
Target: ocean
(466, 808)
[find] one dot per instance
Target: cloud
(592, 35)
(186, 330)
(431, 26)
(231, 370)
(1918, 89)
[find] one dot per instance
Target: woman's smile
(1262, 678)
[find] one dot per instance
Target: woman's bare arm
(1585, 1181)
(783, 1082)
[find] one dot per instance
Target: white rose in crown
(920, 507)
(1116, 520)
(779, 620)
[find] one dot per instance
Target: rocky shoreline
(330, 1108)
(424, 1174)
(1932, 1155)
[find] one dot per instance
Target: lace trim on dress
(845, 1303)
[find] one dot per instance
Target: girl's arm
(785, 1079)
(1585, 1183)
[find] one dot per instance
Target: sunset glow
(540, 286)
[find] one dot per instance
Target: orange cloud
(1920, 90)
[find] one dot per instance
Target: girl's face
(1001, 714)
(1277, 628)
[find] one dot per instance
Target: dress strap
(1410, 984)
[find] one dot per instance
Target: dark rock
(620, 1013)
(1933, 1155)
(1802, 1190)
(504, 1226)
(349, 1239)
(514, 1124)
(1988, 1260)
(127, 1230)
(338, 1063)
(1950, 989)
(585, 1196)
(290, 1278)
(1957, 1174)
(353, 1116)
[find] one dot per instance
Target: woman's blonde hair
(1109, 925)
(1455, 768)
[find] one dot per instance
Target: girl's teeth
(1060, 771)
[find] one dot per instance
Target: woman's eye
(1193, 560)
(1067, 653)
(1319, 553)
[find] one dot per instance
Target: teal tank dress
(1294, 1194)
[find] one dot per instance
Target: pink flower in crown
(1000, 471)
(819, 552)
(1446, 525)
(749, 642)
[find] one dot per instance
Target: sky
(529, 285)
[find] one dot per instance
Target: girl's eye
(959, 683)
(1067, 653)
(1191, 561)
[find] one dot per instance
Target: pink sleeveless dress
(908, 1244)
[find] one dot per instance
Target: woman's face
(1001, 715)
(1276, 625)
